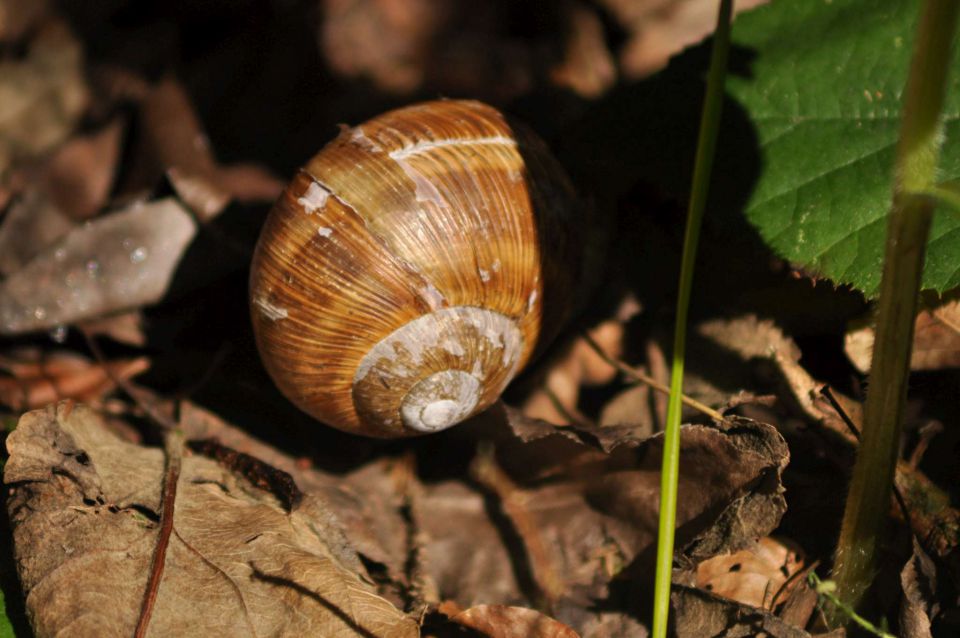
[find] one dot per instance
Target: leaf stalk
(918, 153)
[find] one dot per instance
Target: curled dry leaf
(37, 379)
(117, 262)
(32, 223)
(753, 576)
(180, 148)
(698, 613)
(590, 515)
(919, 605)
(83, 509)
(41, 96)
(936, 340)
(731, 355)
(501, 621)
(79, 175)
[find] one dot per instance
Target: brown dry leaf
(588, 68)
(82, 508)
(365, 501)
(180, 148)
(633, 407)
(384, 40)
(660, 28)
(919, 605)
(501, 621)
(932, 517)
(31, 224)
(936, 340)
(37, 379)
(117, 262)
(402, 46)
(594, 514)
(556, 400)
(750, 350)
(19, 16)
(79, 175)
(753, 576)
(698, 613)
(125, 328)
(41, 96)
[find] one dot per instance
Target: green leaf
(6, 629)
(824, 98)
(946, 195)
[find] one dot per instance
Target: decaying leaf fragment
(583, 504)
(700, 613)
(30, 378)
(41, 96)
(83, 509)
(754, 576)
(919, 605)
(117, 262)
(501, 621)
(936, 340)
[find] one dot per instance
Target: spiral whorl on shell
(413, 267)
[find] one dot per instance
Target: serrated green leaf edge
(824, 97)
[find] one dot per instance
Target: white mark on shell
(358, 137)
(325, 231)
(484, 275)
(453, 347)
(495, 266)
(314, 198)
(430, 145)
(269, 310)
(531, 300)
(424, 189)
(432, 331)
(433, 297)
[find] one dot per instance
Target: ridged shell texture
(411, 269)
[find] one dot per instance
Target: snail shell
(413, 267)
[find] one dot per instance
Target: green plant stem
(703, 163)
(908, 227)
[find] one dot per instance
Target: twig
(828, 394)
(640, 377)
(151, 410)
(173, 449)
(174, 453)
(209, 371)
(795, 576)
(569, 415)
